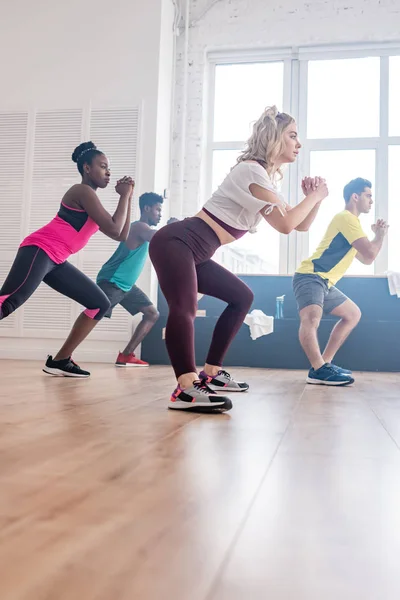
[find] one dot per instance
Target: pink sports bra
(66, 234)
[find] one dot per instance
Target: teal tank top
(124, 266)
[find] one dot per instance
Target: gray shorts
(312, 289)
(133, 301)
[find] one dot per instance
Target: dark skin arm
(139, 232)
(125, 230)
(85, 197)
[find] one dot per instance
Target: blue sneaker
(341, 370)
(328, 375)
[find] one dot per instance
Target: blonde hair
(266, 142)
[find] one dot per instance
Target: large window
(346, 103)
(394, 209)
(240, 96)
(343, 98)
(339, 167)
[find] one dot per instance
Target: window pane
(343, 98)
(242, 91)
(339, 167)
(394, 95)
(394, 209)
(253, 253)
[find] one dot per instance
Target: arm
(309, 220)
(368, 250)
(125, 230)
(139, 233)
(309, 185)
(285, 223)
(110, 225)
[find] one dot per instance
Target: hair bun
(84, 147)
(270, 112)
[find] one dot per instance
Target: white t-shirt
(233, 202)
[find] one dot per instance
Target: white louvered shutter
(13, 139)
(57, 133)
(8, 326)
(115, 131)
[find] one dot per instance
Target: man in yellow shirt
(315, 279)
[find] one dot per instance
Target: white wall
(77, 54)
(234, 24)
(67, 54)
(162, 154)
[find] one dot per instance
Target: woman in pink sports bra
(43, 255)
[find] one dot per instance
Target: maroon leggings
(181, 254)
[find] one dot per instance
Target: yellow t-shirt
(335, 253)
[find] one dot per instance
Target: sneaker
(198, 398)
(341, 370)
(223, 382)
(328, 375)
(64, 368)
(130, 360)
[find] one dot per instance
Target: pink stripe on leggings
(91, 312)
(3, 298)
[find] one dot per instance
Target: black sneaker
(64, 368)
(198, 398)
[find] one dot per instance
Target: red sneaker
(130, 360)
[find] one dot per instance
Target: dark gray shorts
(312, 289)
(133, 301)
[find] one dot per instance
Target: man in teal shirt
(118, 276)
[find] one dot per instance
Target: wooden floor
(106, 495)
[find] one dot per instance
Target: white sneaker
(224, 382)
(198, 398)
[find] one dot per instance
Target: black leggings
(181, 253)
(32, 266)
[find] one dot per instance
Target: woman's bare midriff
(223, 236)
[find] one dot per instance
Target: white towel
(259, 323)
(394, 283)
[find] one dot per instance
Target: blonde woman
(181, 254)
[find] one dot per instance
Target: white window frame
(294, 248)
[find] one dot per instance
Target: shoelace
(225, 374)
(334, 368)
(70, 366)
(202, 387)
(74, 363)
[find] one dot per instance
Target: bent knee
(98, 313)
(183, 306)
(244, 298)
(311, 317)
(354, 314)
(150, 313)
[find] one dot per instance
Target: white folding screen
(35, 171)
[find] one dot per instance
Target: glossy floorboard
(106, 495)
